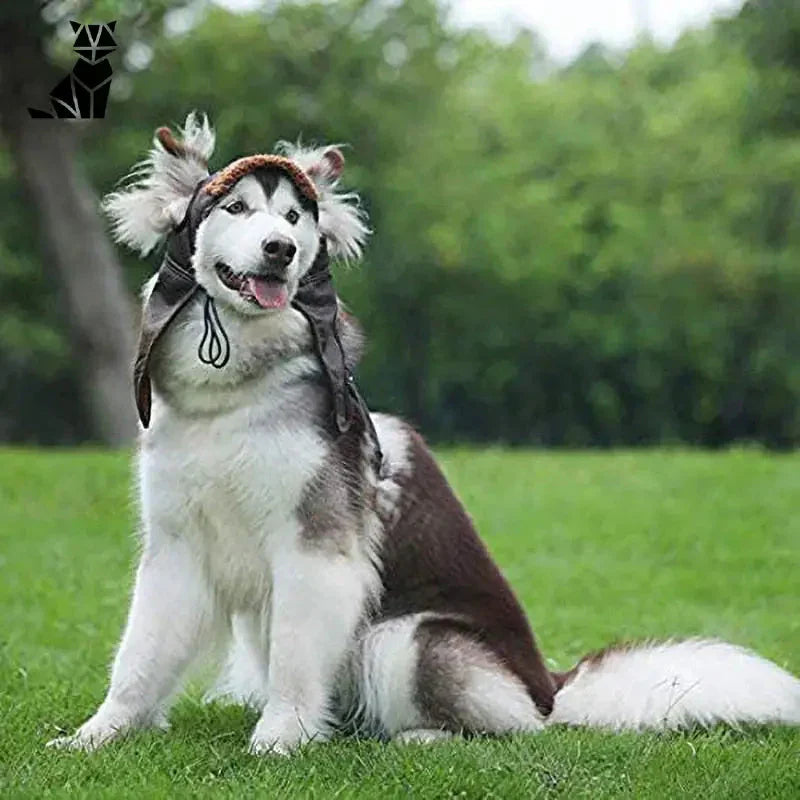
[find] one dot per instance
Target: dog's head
(259, 224)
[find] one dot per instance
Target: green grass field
(600, 546)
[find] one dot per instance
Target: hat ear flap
(161, 187)
(329, 166)
(341, 218)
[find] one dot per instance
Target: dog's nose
(278, 251)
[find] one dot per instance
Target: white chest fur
(230, 484)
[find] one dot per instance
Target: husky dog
(349, 592)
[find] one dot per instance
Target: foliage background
(600, 254)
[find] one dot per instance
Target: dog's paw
(87, 738)
(109, 723)
(265, 747)
(421, 736)
(282, 735)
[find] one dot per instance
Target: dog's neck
(267, 352)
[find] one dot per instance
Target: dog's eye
(292, 216)
(236, 207)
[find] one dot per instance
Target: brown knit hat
(224, 180)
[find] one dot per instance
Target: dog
(353, 592)
(83, 94)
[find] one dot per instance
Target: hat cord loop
(215, 347)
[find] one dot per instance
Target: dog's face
(257, 243)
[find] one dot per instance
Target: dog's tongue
(268, 294)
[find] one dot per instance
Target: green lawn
(600, 546)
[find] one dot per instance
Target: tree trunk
(100, 315)
(99, 310)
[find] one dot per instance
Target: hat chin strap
(316, 300)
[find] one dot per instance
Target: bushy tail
(676, 685)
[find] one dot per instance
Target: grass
(600, 546)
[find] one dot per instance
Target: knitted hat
(224, 180)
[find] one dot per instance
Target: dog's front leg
(317, 600)
(172, 610)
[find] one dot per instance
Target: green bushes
(681, 355)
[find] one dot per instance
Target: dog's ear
(157, 192)
(341, 219)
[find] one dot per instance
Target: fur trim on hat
(225, 179)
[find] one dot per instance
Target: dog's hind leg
(420, 677)
(243, 679)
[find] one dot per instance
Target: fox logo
(83, 94)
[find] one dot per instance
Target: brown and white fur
(346, 596)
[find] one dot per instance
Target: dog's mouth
(265, 291)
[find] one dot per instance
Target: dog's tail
(675, 685)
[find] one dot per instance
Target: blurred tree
(770, 30)
(98, 311)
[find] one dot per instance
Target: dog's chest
(236, 482)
